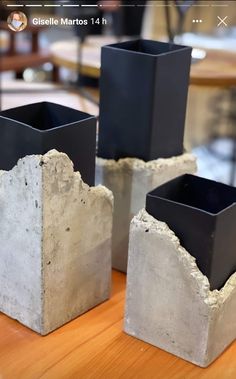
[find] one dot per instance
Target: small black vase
(40, 127)
(202, 213)
(143, 95)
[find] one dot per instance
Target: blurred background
(61, 63)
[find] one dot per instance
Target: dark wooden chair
(13, 60)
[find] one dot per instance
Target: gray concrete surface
(130, 179)
(55, 242)
(169, 303)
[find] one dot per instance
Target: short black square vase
(40, 127)
(143, 95)
(202, 213)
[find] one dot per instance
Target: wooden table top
(66, 54)
(217, 69)
(93, 346)
(16, 93)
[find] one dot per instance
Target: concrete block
(55, 242)
(130, 179)
(169, 303)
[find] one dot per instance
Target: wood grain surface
(93, 346)
(217, 69)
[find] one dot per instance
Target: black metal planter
(202, 213)
(40, 127)
(144, 87)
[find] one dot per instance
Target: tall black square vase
(144, 87)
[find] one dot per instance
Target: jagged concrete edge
(104, 191)
(214, 299)
(44, 159)
(139, 164)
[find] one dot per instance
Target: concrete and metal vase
(40, 127)
(169, 303)
(144, 87)
(143, 94)
(202, 213)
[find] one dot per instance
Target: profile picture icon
(17, 21)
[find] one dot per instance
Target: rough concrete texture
(55, 242)
(130, 179)
(169, 303)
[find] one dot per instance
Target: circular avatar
(17, 21)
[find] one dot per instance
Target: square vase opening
(148, 47)
(143, 95)
(202, 213)
(40, 127)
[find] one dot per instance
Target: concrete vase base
(130, 179)
(169, 303)
(55, 242)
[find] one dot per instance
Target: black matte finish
(202, 213)
(143, 95)
(38, 128)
